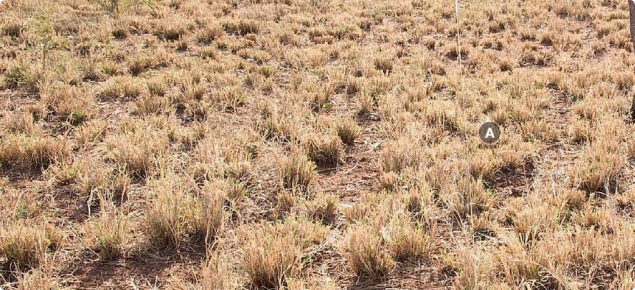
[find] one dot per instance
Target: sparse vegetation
(304, 144)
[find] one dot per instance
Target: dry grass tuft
(34, 152)
(170, 30)
(26, 245)
(38, 279)
(367, 254)
(410, 242)
(323, 208)
(20, 123)
(125, 88)
(111, 234)
(209, 33)
(241, 27)
(21, 77)
(296, 171)
(167, 221)
(348, 132)
(217, 274)
(324, 151)
(209, 217)
(272, 253)
(467, 197)
(599, 168)
(401, 155)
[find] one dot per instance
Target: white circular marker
(489, 133)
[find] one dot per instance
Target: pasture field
(316, 144)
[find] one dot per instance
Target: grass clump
(13, 30)
(122, 88)
(400, 155)
(241, 27)
(598, 170)
(26, 245)
(38, 279)
(136, 152)
(367, 254)
(20, 123)
(209, 217)
(324, 152)
(170, 30)
(167, 219)
(208, 34)
(110, 231)
(296, 171)
(348, 132)
(323, 208)
(603, 160)
(273, 253)
(410, 242)
(21, 77)
(21, 151)
(216, 273)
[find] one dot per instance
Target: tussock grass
(34, 152)
(170, 30)
(209, 216)
(71, 103)
(135, 152)
(217, 274)
(120, 88)
(600, 166)
(400, 155)
(148, 105)
(21, 77)
(241, 27)
(296, 171)
(209, 33)
(324, 208)
(111, 234)
(169, 219)
(20, 123)
(348, 132)
(38, 279)
(367, 254)
(325, 151)
(25, 244)
(467, 197)
(410, 242)
(272, 253)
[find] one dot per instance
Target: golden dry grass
(303, 144)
